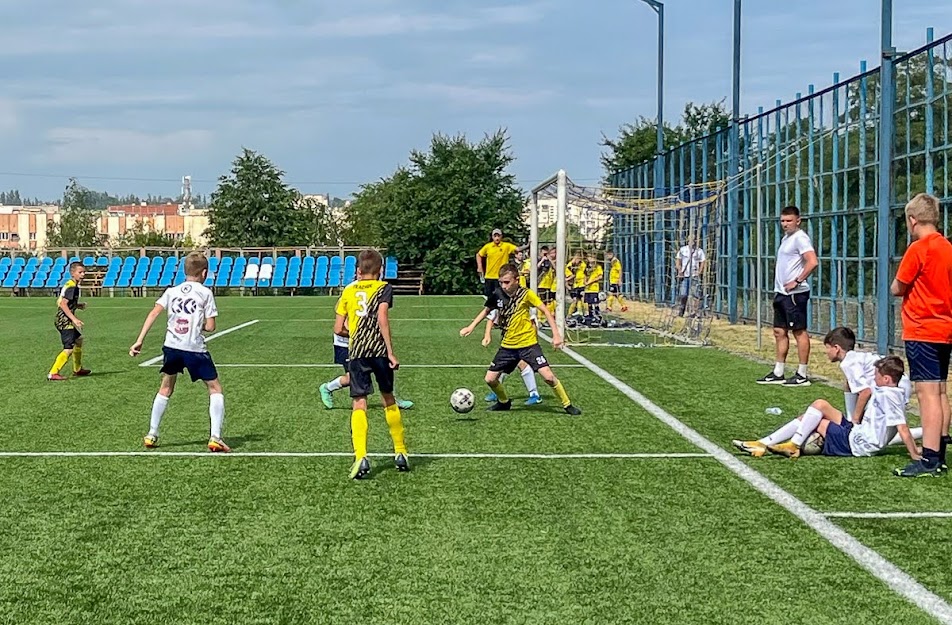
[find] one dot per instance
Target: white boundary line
(898, 580)
(152, 361)
(333, 366)
(338, 454)
(888, 515)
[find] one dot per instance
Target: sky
(130, 95)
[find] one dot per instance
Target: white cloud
(479, 96)
(9, 120)
(106, 145)
(402, 23)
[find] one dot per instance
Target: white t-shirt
(691, 269)
(188, 306)
(790, 261)
(884, 413)
(860, 373)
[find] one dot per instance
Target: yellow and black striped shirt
(512, 317)
(359, 304)
(70, 293)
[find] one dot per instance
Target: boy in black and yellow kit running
(363, 314)
(69, 325)
(520, 341)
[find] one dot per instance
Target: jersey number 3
(361, 303)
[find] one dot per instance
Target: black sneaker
(360, 469)
(499, 406)
(572, 410)
(797, 380)
(771, 378)
(400, 461)
(918, 469)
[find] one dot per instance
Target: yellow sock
(611, 300)
(552, 306)
(395, 423)
(499, 391)
(60, 362)
(77, 358)
(358, 432)
(561, 394)
(572, 307)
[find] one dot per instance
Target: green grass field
(639, 534)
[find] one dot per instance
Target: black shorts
(928, 362)
(70, 337)
(341, 356)
(790, 311)
(591, 298)
(576, 293)
(614, 289)
(361, 370)
(507, 358)
(546, 296)
(199, 364)
(490, 287)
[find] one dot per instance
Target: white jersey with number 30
(188, 306)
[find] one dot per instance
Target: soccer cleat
(754, 448)
(490, 396)
(771, 378)
(401, 462)
(218, 445)
(82, 373)
(404, 404)
(918, 469)
(55, 377)
(624, 309)
(797, 380)
(572, 410)
(533, 400)
(151, 441)
(500, 406)
(787, 449)
(326, 397)
(360, 469)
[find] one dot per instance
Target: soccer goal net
(630, 269)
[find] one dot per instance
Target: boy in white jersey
(875, 396)
(191, 310)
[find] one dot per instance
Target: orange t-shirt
(926, 268)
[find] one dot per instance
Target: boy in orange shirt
(924, 281)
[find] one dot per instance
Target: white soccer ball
(813, 446)
(462, 400)
(602, 296)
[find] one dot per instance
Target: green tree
(253, 207)
(636, 143)
(437, 212)
(78, 216)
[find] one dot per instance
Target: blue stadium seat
(102, 261)
(224, 272)
(24, 280)
(166, 279)
(151, 280)
(137, 283)
(307, 275)
(10, 281)
(53, 280)
(350, 269)
(157, 263)
(179, 277)
(293, 279)
(3, 272)
(39, 281)
(89, 261)
(115, 262)
(6, 261)
(19, 261)
(109, 281)
(294, 263)
(390, 270)
(320, 272)
(124, 280)
(46, 261)
(334, 273)
(281, 263)
(278, 281)
(32, 264)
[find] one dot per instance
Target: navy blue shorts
(790, 311)
(364, 370)
(591, 299)
(341, 356)
(928, 362)
(199, 364)
(614, 289)
(837, 441)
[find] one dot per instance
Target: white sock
(528, 376)
(811, 418)
(334, 385)
(783, 434)
(802, 370)
(159, 405)
(216, 410)
(778, 368)
(916, 435)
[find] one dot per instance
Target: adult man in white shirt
(796, 260)
(689, 263)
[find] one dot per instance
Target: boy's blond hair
(924, 208)
(195, 264)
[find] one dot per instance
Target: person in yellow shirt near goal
(594, 274)
(496, 254)
(614, 282)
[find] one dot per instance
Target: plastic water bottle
(775, 411)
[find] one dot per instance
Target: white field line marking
(888, 515)
(152, 361)
(333, 366)
(341, 454)
(898, 580)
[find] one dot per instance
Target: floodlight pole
(887, 103)
(659, 154)
(733, 169)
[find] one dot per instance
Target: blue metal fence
(820, 153)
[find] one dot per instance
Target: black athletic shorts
(70, 337)
(507, 358)
(547, 296)
(576, 293)
(790, 311)
(341, 356)
(591, 298)
(361, 370)
(614, 289)
(490, 287)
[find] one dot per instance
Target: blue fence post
(886, 137)
(930, 112)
